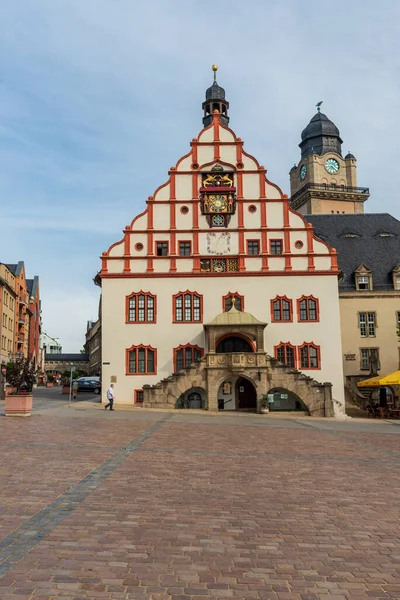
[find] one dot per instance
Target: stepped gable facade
(218, 236)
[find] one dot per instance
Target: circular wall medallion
(239, 166)
(298, 244)
(139, 246)
(252, 208)
(303, 172)
(195, 166)
(332, 166)
(218, 220)
(184, 210)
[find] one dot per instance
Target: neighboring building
(324, 182)
(219, 236)
(7, 313)
(58, 364)
(368, 249)
(93, 346)
(34, 316)
(49, 344)
(21, 316)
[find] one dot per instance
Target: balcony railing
(331, 188)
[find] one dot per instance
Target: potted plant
(50, 380)
(264, 404)
(20, 375)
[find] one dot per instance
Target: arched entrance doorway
(246, 395)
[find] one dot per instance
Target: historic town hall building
(219, 294)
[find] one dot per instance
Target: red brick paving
(310, 515)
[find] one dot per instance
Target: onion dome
(215, 100)
(350, 155)
(321, 135)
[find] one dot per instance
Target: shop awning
(391, 379)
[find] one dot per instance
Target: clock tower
(324, 182)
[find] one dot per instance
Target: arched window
(233, 343)
(227, 302)
(310, 357)
(286, 354)
(141, 360)
(308, 309)
(188, 307)
(281, 310)
(141, 308)
(186, 355)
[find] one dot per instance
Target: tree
(21, 375)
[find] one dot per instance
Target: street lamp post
(70, 386)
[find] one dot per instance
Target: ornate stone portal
(237, 365)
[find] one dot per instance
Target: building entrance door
(246, 395)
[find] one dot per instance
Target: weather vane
(318, 105)
(215, 69)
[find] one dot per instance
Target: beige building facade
(7, 312)
(215, 238)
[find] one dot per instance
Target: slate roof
(67, 357)
(16, 269)
(32, 285)
(369, 246)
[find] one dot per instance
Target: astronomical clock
(218, 197)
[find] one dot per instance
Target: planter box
(10, 390)
(49, 384)
(65, 389)
(19, 406)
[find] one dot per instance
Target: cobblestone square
(182, 506)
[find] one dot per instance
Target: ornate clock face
(303, 172)
(218, 221)
(218, 203)
(332, 166)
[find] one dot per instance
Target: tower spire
(215, 100)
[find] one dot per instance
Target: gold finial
(215, 69)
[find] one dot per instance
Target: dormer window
(396, 278)
(363, 282)
(363, 277)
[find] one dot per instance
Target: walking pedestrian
(110, 397)
(74, 389)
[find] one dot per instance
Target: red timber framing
(194, 228)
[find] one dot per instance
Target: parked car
(86, 384)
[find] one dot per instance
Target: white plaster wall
(258, 291)
(183, 187)
(252, 220)
(115, 266)
(184, 221)
(206, 135)
(298, 236)
(140, 223)
(162, 265)
(205, 154)
(118, 249)
(138, 266)
(272, 192)
(161, 217)
(249, 163)
(322, 263)
(251, 186)
(163, 193)
(185, 164)
(228, 154)
(299, 263)
(275, 215)
(225, 135)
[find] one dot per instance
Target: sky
(99, 98)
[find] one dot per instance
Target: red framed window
(253, 247)
(281, 310)
(185, 248)
(309, 356)
(276, 246)
(228, 300)
(139, 397)
(140, 308)
(186, 355)
(286, 354)
(188, 307)
(162, 248)
(307, 309)
(141, 360)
